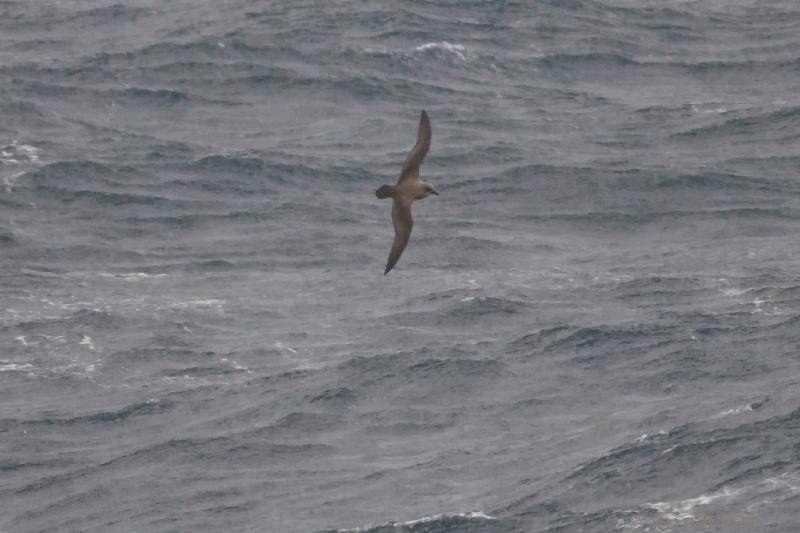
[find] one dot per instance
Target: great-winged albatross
(409, 187)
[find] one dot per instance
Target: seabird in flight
(409, 187)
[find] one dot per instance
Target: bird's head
(428, 190)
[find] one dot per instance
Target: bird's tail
(385, 191)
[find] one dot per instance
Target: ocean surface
(595, 327)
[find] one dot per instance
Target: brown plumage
(409, 187)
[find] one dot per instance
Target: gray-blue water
(595, 327)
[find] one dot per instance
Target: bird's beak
(433, 191)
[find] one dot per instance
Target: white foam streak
(683, 509)
(131, 276)
(470, 515)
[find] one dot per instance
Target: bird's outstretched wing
(401, 216)
(417, 154)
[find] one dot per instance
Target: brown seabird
(409, 187)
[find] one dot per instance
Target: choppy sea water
(594, 327)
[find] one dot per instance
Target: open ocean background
(595, 327)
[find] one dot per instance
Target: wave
(631, 181)
(201, 50)
(430, 368)
(7, 237)
(196, 220)
(738, 457)
(242, 165)
(785, 120)
(108, 198)
(112, 14)
(335, 396)
(151, 96)
(469, 308)
(654, 291)
(602, 336)
(189, 451)
(35, 72)
(205, 74)
(189, 372)
(599, 220)
(63, 173)
(80, 319)
(46, 90)
(304, 423)
(465, 243)
(13, 109)
(245, 174)
(480, 306)
(586, 59)
(377, 368)
(93, 183)
(469, 522)
(105, 417)
(573, 61)
(71, 19)
(725, 181)
(166, 350)
(432, 56)
(595, 221)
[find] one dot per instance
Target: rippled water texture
(594, 327)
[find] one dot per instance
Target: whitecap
(22, 340)
(734, 292)
(644, 437)
(459, 51)
(31, 152)
(86, 340)
(199, 303)
(279, 345)
(15, 367)
(17, 154)
(10, 181)
(788, 482)
(734, 411)
(707, 108)
(470, 515)
(236, 365)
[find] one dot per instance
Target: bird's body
(410, 190)
(409, 187)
